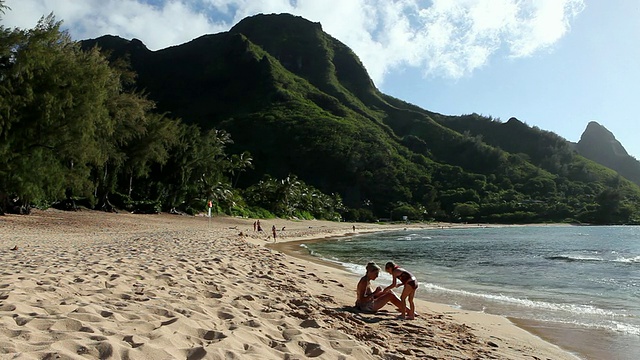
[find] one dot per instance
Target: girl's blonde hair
(372, 266)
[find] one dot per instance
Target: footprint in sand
(105, 350)
(133, 340)
(196, 353)
(7, 307)
(275, 344)
(12, 333)
(252, 323)
(225, 315)
(212, 295)
(310, 323)
(40, 324)
(211, 335)
(290, 334)
(21, 321)
(311, 349)
(67, 325)
(161, 312)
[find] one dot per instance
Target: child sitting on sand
(408, 292)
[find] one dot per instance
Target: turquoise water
(581, 278)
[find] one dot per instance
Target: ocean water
(580, 283)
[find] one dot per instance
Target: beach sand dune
(121, 286)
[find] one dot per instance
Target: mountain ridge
(302, 103)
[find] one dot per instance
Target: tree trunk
(3, 203)
(106, 204)
(130, 183)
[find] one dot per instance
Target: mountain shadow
(600, 145)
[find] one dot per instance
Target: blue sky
(554, 64)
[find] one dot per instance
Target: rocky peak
(597, 139)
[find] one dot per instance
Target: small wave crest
(533, 304)
(628, 260)
(585, 258)
(570, 258)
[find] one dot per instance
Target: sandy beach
(78, 285)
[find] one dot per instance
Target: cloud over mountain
(443, 38)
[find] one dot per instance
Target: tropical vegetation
(273, 118)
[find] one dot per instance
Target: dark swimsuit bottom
(407, 279)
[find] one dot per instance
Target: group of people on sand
(373, 300)
(258, 227)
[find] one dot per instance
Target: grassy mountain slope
(301, 102)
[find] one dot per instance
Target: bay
(570, 283)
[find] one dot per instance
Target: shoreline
(538, 329)
(98, 285)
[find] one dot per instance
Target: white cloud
(447, 38)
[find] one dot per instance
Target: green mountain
(302, 103)
(600, 145)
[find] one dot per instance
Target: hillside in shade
(600, 145)
(302, 103)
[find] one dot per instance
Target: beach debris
(14, 248)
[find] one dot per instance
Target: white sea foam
(628, 260)
(627, 328)
(532, 304)
(616, 326)
(586, 258)
(576, 258)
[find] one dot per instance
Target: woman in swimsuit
(372, 301)
(408, 292)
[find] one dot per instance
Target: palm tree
(239, 164)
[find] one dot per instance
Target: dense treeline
(71, 131)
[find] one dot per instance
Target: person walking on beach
(273, 230)
(258, 224)
(255, 224)
(408, 292)
(372, 301)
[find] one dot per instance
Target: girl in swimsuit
(372, 301)
(408, 292)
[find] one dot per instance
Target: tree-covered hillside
(277, 116)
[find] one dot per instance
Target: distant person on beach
(255, 224)
(273, 230)
(258, 224)
(372, 301)
(408, 292)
